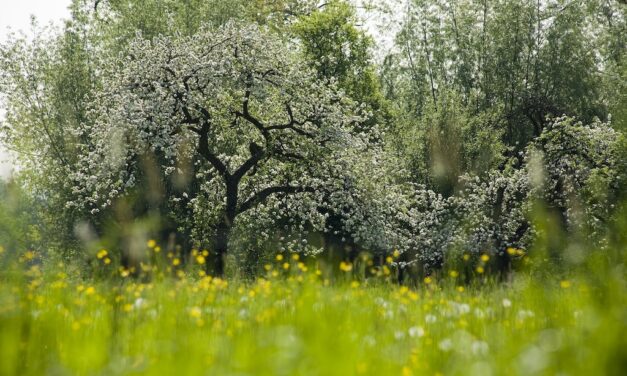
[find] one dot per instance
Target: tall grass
(295, 321)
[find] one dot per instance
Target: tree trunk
(223, 230)
(221, 247)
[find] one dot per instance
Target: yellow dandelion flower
(354, 284)
(466, 257)
(279, 257)
(396, 253)
(318, 272)
(151, 243)
(485, 257)
(565, 284)
(453, 274)
(428, 280)
(346, 266)
(200, 259)
(286, 265)
(460, 288)
(90, 290)
(386, 270)
(107, 261)
(102, 254)
(267, 267)
(176, 261)
(511, 251)
(389, 259)
(157, 249)
(480, 269)
(295, 257)
(195, 312)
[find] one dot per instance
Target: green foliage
(339, 50)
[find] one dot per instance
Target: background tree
(255, 126)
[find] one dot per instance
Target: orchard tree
(237, 104)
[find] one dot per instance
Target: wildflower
(485, 257)
(453, 273)
(466, 257)
(511, 251)
(480, 269)
(354, 284)
(90, 290)
(428, 280)
(446, 344)
(295, 257)
(267, 267)
(389, 259)
(565, 284)
(396, 253)
(406, 371)
(151, 243)
(157, 249)
(107, 261)
(279, 257)
(195, 312)
(416, 331)
(460, 289)
(176, 261)
(318, 272)
(286, 265)
(346, 266)
(200, 259)
(386, 270)
(102, 254)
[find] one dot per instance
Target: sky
(16, 14)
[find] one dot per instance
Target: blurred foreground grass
(300, 323)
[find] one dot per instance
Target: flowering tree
(237, 104)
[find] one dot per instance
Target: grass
(297, 322)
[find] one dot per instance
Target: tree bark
(223, 232)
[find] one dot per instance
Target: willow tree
(237, 104)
